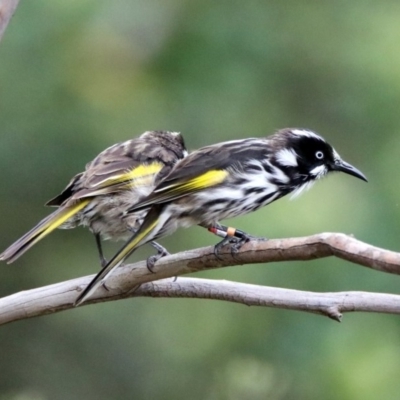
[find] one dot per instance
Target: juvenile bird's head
(172, 141)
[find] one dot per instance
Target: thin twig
(61, 296)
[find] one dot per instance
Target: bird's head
(173, 141)
(307, 156)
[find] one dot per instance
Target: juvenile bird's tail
(42, 229)
(144, 234)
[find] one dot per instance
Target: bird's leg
(161, 252)
(103, 261)
(232, 236)
(217, 248)
(235, 238)
(241, 238)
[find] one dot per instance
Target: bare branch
(7, 9)
(59, 297)
(328, 304)
(122, 283)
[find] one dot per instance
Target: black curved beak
(347, 168)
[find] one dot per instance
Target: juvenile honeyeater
(97, 198)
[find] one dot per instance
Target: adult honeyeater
(116, 179)
(226, 180)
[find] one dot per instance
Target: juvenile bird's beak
(347, 168)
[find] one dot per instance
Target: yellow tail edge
(42, 229)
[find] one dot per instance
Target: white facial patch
(305, 132)
(318, 172)
(287, 158)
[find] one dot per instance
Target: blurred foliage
(78, 76)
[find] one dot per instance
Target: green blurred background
(78, 76)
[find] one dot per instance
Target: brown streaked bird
(115, 180)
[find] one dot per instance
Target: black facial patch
(307, 148)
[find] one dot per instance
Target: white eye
(319, 155)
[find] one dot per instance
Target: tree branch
(7, 9)
(121, 284)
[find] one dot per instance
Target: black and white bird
(226, 180)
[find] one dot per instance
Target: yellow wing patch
(209, 179)
(142, 175)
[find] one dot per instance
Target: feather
(140, 237)
(42, 229)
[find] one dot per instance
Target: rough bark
(125, 281)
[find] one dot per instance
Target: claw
(150, 262)
(161, 252)
(220, 245)
(236, 242)
(103, 262)
(235, 247)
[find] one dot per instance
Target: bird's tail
(42, 229)
(144, 234)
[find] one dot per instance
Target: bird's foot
(235, 241)
(161, 252)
